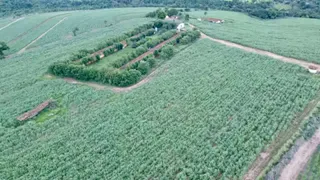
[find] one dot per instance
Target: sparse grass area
(281, 6)
(291, 37)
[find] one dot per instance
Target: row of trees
(309, 8)
(3, 47)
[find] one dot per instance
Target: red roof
(213, 19)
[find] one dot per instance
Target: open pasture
(292, 37)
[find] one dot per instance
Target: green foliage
(280, 36)
(3, 47)
(74, 31)
(187, 17)
(143, 67)
(167, 51)
(172, 12)
(161, 15)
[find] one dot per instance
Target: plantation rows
(207, 117)
(132, 73)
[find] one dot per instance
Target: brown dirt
(301, 158)
(139, 58)
(91, 84)
(32, 29)
(299, 62)
(35, 111)
(42, 35)
(11, 23)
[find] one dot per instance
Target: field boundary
(261, 162)
(299, 62)
(42, 35)
(301, 158)
(33, 28)
(11, 23)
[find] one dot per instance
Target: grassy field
(312, 171)
(291, 37)
(207, 114)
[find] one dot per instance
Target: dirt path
(301, 158)
(42, 35)
(11, 23)
(265, 157)
(33, 28)
(139, 58)
(301, 63)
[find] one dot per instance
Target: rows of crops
(98, 22)
(292, 37)
(207, 114)
(312, 171)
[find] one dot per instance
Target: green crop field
(291, 37)
(312, 171)
(206, 113)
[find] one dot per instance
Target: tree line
(265, 10)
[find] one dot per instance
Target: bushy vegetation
(281, 36)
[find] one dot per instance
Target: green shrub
(143, 67)
(167, 52)
(151, 61)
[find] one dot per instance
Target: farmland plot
(292, 37)
(98, 22)
(208, 114)
(23, 26)
(5, 21)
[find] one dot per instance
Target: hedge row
(143, 48)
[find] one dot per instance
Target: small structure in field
(180, 27)
(32, 113)
(214, 20)
(172, 17)
(313, 69)
(199, 19)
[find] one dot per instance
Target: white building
(180, 27)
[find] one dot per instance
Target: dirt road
(11, 23)
(42, 35)
(301, 158)
(301, 63)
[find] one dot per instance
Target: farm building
(214, 20)
(172, 17)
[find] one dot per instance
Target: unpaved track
(299, 62)
(11, 23)
(42, 35)
(300, 158)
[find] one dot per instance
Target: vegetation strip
(301, 158)
(11, 23)
(24, 49)
(150, 51)
(262, 161)
(301, 63)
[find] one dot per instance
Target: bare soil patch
(35, 111)
(301, 158)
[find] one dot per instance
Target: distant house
(214, 20)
